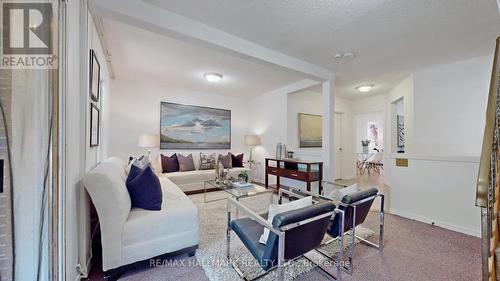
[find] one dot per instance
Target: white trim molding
(436, 189)
(436, 222)
(441, 158)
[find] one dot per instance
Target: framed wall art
(310, 130)
(95, 76)
(194, 127)
(400, 131)
(94, 125)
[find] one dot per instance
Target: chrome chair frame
(352, 232)
(280, 232)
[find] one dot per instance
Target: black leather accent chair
(292, 234)
(356, 207)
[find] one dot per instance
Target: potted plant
(243, 177)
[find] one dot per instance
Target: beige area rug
(212, 246)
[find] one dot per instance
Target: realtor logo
(27, 37)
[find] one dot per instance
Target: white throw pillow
(275, 209)
(338, 194)
(143, 163)
(130, 165)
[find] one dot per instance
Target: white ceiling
(138, 54)
(390, 38)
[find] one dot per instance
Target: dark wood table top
(288, 160)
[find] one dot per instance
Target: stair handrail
(485, 161)
(487, 180)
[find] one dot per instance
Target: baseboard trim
(446, 225)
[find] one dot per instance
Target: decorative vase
(241, 179)
(365, 149)
(279, 150)
(222, 173)
(217, 172)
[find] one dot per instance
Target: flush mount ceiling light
(364, 88)
(212, 77)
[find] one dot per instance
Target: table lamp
(148, 141)
(251, 140)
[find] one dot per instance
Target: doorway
(338, 135)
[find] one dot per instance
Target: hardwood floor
(371, 181)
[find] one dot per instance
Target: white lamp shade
(252, 140)
(148, 141)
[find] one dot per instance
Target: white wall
(75, 140)
(361, 125)
(80, 156)
(30, 104)
(450, 102)
(29, 144)
(270, 121)
(439, 190)
(308, 101)
(369, 104)
(366, 110)
(444, 108)
(344, 106)
(403, 90)
(134, 109)
(448, 107)
(358, 113)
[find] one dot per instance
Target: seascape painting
(194, 127)
(310, 130)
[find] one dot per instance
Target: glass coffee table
(235, 192)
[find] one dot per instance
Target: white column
(328, 130)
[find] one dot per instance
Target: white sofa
(132, 234)
(192, 181)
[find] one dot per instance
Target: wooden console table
(293, 169)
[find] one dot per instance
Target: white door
(338, 145)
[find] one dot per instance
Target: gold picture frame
(310, 130)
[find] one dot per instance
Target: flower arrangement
(365, 142)
(243, 176)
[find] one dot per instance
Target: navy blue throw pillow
(134, 172)
(145, 189)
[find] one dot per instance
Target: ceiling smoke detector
(348, 55)
(344, 56)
